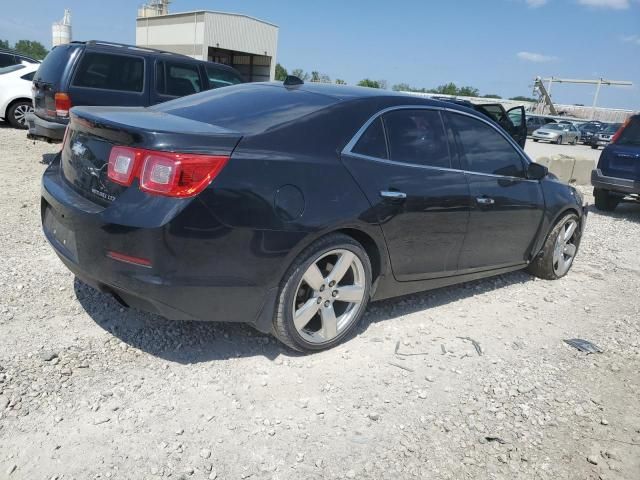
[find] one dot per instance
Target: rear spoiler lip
(187, 136)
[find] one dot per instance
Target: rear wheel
(595, 147)
(16, 114)
(559, 250)
(575, 141)
(324, 294)
(559, 140)
(535, 139)
(605, 201)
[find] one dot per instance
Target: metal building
(245, 43)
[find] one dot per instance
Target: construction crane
(544, 93)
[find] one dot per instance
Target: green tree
(281, 73)
(339, 81)
(446, 89)
(301, 74)
(402, 87)
(31, 48)
(4, 43)
(491, 95)
(369, 83)
(521, 98)
(468, 92)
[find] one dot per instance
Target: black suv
(109, 74)
(11, 57)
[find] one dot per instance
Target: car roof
(18, 54)
(342, 93)
(114, 47)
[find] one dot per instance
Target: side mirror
(537, 171)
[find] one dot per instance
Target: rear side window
(7, 59)
(631, 133)
(220, 77)
(178, 79)
(483, 149)
(418, 137)
(372, 142)
(28, 76)
(110, 72)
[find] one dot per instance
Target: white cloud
(536, 3)
(535, 57)
(635, 39)
(613, 4)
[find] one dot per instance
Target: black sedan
(290, 207)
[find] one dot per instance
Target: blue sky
(498, 46)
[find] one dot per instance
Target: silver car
(557, 133)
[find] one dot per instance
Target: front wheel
(559, 141)
(535, 139)
(595, 147)
(324, 294)
(559, 250)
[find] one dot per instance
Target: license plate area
(60, 235)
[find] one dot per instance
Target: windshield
(10, 68)
(556, 126)
(613, 128)
(590, 127)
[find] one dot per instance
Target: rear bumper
(190, 278)
(614, 184)
(40, 128)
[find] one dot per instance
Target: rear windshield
(110, 72)
(51, 68)
(631, 133)
(246, 108)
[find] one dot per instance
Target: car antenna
(292, 80)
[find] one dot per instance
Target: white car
(15, 93)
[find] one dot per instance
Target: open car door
(513, 120)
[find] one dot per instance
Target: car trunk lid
(94, 131)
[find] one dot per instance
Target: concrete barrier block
(581, 174)
(543, 161)
(562, 167)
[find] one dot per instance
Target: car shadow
(195, 342)
(629, 211)
(47, 158)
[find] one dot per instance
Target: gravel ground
(540, 149)
(90, 390)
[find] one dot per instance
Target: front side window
(372, 142)
(110, 72)
(7, 59)
(28, 76)
(483, 149)
(220, 77)
(418, 137)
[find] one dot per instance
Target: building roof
(193, 12)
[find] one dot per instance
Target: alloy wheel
(20, 113)
(329, 296)
(565, 249)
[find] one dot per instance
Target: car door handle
(393, 195)
(485, 201)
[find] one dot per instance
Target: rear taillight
(619, 132)
(63, 104)
(164, 173)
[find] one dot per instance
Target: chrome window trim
(348, 149)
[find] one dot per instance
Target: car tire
(605, 201)
(575, 141)
(315, 330)
(535, 139)
(16, 114)
(559, 140)
(595, 147)
(560, 248)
